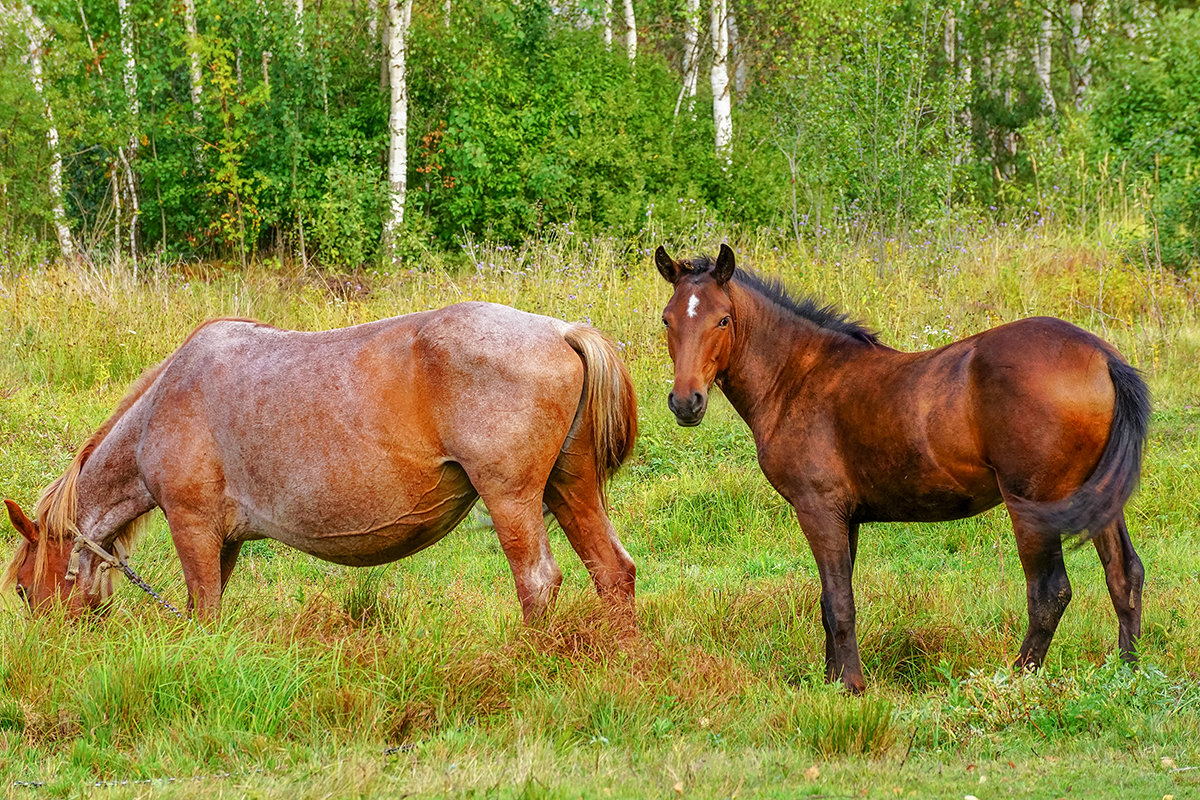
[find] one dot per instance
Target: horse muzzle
(688, 411)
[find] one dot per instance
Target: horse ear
(724, 269)
(21, 522)
(666, 265)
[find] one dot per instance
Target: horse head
(38, 568)
(700, 328)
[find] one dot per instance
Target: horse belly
(367, 528)
(930, 500)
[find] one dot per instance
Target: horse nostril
(697, 399)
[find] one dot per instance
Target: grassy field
(418, 679)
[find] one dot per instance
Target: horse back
(382, 425)
(923, 436)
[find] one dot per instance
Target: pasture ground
(316, 671)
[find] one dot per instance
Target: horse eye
(724, 323)
(21, 593)
(666, 323)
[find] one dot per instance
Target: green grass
(315, 670)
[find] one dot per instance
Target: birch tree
(193, 35)
(1081, 62)
(691, 58)
(399, 18)
(36, 36)
(630, 32)
(608, 24)
(1041, 61)
(128, 154)
(298, 14)
(719, 78)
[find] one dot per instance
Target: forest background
(265, 132)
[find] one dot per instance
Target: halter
(108, 561)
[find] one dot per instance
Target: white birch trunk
(1041, 61)
(399, 17)
(298, 13)
(130, 79)
(691, 58)
(608, 24)
(630, 32)
(1081, 66)
(36, 33)
(193, 33)
(373, 21)
(446, 14)
(719, 78)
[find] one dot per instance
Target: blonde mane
(56, 510)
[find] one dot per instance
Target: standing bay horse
(1037, 414)
(359, 446)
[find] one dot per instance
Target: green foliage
(858, 119)
(1149, 116)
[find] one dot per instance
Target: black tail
(1103, 495)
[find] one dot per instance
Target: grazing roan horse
(359, 446)
(1037, 414)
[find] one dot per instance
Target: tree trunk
(719, 78)
(127, 156)
(298, 13)
(1041, 62)
(608, 24)
(399, 17)
(193, 33)
(630, 32)
(1081, 62)
(691, 58)
(373, 21)
(36, 33)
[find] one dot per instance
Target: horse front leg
(201, 550)
(229, 557)
(833, 543)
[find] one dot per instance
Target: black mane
(826, 317)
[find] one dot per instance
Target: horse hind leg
(574, 499)
(522, 533)
(1124, 574)
(1047, 591)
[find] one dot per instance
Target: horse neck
(772, 350)
(91, 470)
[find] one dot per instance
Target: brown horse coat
(1038, 414)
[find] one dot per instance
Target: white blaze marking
(693, 301)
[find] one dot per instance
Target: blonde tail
(609, 402)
